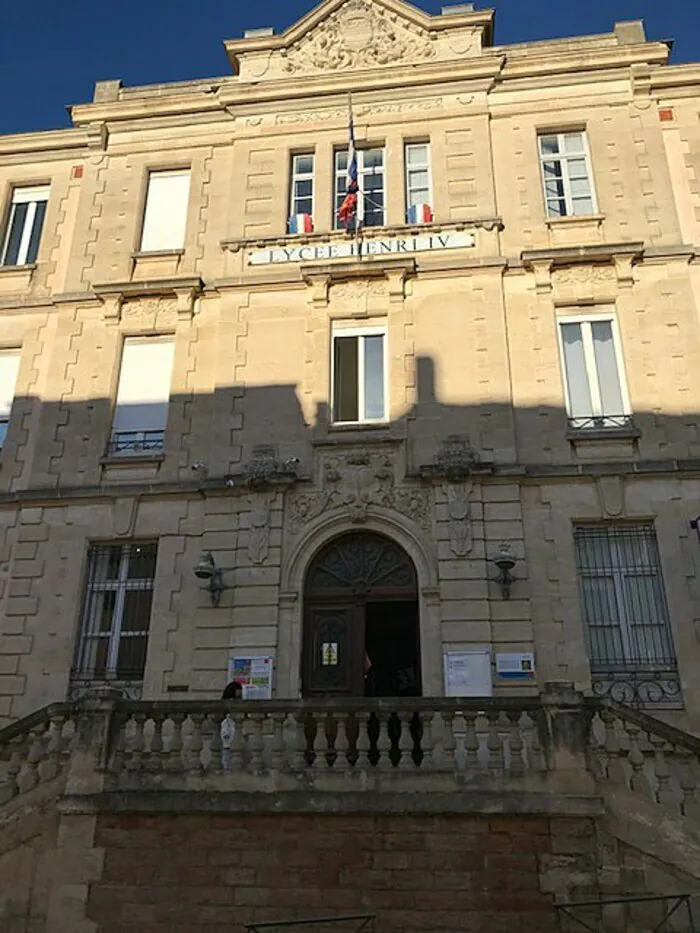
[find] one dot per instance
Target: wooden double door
(361, 626)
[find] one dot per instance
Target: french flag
(420, 214)
(348, 209)
(300, 223)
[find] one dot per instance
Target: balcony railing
(468, 754)
(601, 423)
(136, 442)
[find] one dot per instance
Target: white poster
(468, 673)
(254, 674)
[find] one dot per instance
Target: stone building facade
(505, 374)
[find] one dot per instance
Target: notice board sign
(519, 667)
(254, 674)
(468, 673)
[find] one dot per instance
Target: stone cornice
(577, 255)
(54, 142)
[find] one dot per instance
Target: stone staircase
(575, 761)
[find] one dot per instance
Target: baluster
(54, 749)
(515, 744)
(406, 762)
(662, 772)
(689, 784)
(471, 743)
(384, 743)
(30, 777)
(613, 759)
(534, 743)
(299, 746)
(342, 744)
(256, 742)
(219, 755)
(320, 742)
(196, 744)
(16, 748)
(173, 761)
(635, 756)
(494, 743)
(277, 748)
(427, 741)
(363, 743)
(448, 741)
(235, 760)
(156, 757)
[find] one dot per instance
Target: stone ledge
(462, 802)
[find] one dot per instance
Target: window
(9, 367)
(26, 221)
(624, 603)
(359, 376)
(417, 175)
(116, 616)
(370, 181)
(566, 174)
(595, 392)
(141, 411)
(165, 216)
(302, 193)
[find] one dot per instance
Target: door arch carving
(346, 581)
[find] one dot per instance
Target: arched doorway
(361, 625)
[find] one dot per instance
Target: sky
(53, 51)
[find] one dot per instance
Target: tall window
(417, 175)
(9, 367)
(26, 221)
(566, 174)
(359, 375)
(302, 187)
(624, 603)
(595, 390)
(113, 638)
(143, 395)
(165, 215)
(370, 181)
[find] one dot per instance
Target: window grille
(116, 614)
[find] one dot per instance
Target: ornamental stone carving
(259, 532)
(459, 515)
(454, 462)
(353, 482)
(360, 34)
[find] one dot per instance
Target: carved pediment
(359, 34)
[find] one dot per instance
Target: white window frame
(16, 353)
(120, 585)
(302, 176)
(31, 195)
(342, 173)
(408, 169)
(589, 358)
(152, 173)
(362, 332)
(564, 158)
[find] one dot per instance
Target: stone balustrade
(514, 753)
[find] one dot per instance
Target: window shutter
(9, 367)
(165, 217)
(144, 384)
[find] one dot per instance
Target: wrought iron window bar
(601, 423)
(136, 442)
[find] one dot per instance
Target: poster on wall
(468, 673)
(516, 666)
(254, 674)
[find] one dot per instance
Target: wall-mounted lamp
(206, 569)
(505, 561)
(695, 525)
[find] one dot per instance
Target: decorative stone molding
(360, 34)
(259, 533)
(353, 482)
(567, 260)
(459, 515)
(114, 295)
(264, 471)
(455, 462)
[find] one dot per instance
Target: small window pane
(373, 158)
(606, 366)
(37, 228)
(417, 155)
(549, 145)
(18, 218)
(304, 188)
(576, 373)
(304, 164)
(580, 188)
(573, 142)
(346, 375)
(582, 207)
(374, 377)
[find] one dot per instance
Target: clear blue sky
(52, 51)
